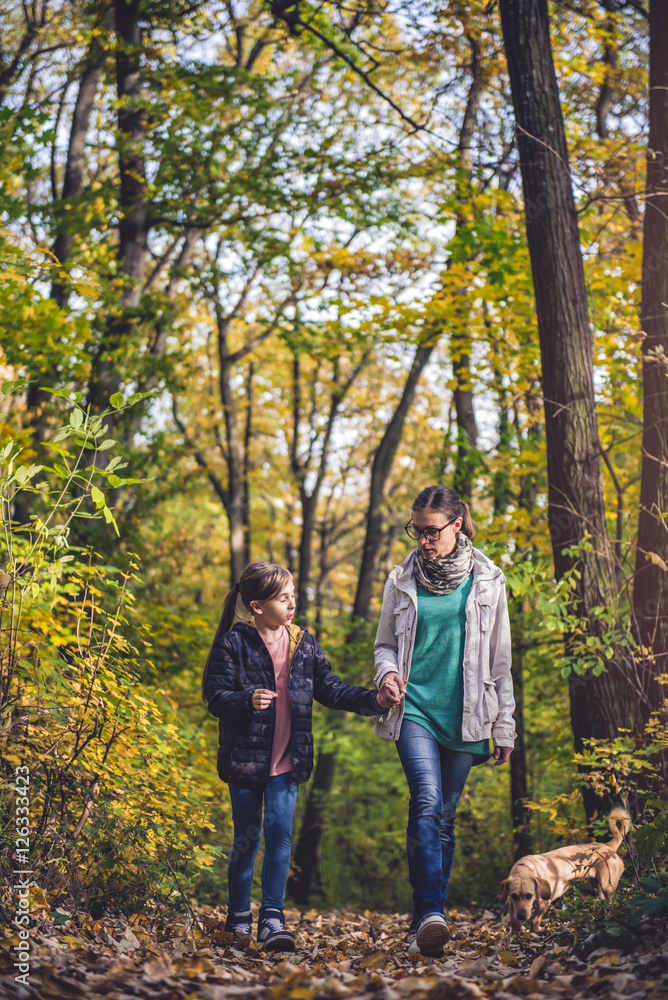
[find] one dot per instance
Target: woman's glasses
(430, 533)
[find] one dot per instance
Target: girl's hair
(447, 502)
(260, 581)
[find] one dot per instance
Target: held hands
(391, 690)
(502, 755)
(262, 698)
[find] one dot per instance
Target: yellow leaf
(38, 900)
(508, 958)
(376, 960)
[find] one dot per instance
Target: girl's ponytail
(224, 625)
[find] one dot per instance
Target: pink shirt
(281, 754)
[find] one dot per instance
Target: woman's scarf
(442, 576)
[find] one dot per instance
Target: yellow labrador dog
(537, 879)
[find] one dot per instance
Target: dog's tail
(619, 822)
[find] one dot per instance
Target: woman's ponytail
(469, 527)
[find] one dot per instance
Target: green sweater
(435, 690)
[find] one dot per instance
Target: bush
(108, 796)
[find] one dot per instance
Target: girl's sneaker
(239, 924)
(271, 931)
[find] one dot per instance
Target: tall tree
(75, 162)
(133, 225)
(599, 704)
(384, 455)
(650, 598)
(309, 472)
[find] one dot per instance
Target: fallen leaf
(537, 966)
(62, 987)
(375, 960)
(509, 958)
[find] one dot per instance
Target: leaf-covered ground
(340, 954)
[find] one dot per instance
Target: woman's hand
(391, 690)
(262, 698)
(502, 754)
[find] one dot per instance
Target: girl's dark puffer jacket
(239, 664)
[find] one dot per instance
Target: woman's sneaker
(432, 933)
(239, 924)
(272, 933)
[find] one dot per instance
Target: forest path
(340, 954)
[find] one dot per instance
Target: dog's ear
(504, 890)
(543, 888)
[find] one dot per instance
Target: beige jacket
(488, 687)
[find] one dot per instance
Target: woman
(443, 648)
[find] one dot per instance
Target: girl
(260, 679)
(443, 646)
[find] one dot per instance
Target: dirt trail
(340, 954)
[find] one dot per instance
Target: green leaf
(106, 445)
(617, 937)
(650, 884)
(109, 518)
(97, 495)
(651, 908)
(117, 400)
(648, 840)
(76, 418)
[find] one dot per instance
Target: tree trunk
(76, 160)
(381, 468)
(302, 465)
(106, 369)
(599, 705)
(248, 438)
(650, 599)
(36, 397)
(383, 458)
(308, 504)
(467, 431)
(306, 853)
(519, 790)
(535, 434)
(235, 504)
(604, 103)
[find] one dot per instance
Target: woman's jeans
(280, 798)
(436, 778)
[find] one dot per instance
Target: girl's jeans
(280, 798)
(436, 778)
